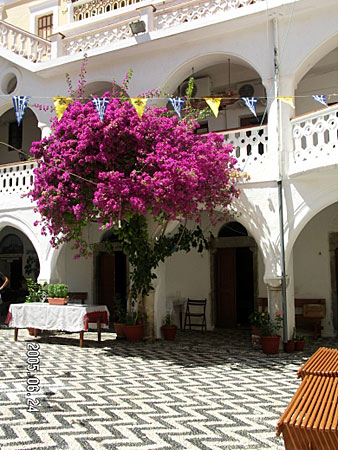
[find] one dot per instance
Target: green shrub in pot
(57, 290)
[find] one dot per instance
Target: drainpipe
(280, 181)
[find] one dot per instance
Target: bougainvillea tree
(122, 171)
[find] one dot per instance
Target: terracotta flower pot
(289, 346)
(299, 346)
(119, 330)
(58, 300)
(169, 332)
(270, 344)
(134, 333)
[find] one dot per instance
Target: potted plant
(169, 328)
(134, 328)
(299, 343)
(269, 329)
(35, 294)
(119, 312)
(57, 294)
(289, 346)
(255, 322)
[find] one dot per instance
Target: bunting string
(20, 103)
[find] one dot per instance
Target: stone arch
(306, 212)
(314, 56)
(15, 222)
(99, 87)
(184, 69)
(19, 137)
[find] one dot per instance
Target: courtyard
(202, 391)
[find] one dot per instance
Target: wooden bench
(307, 311)
(323, 362)
(311, 419)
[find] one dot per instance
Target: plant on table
(57, 290)
(35, 291)
(129, 170)
(57, 294)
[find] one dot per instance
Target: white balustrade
(17, 178)
(86, 42)
(85, 9)
(315, 139)
(23, 43)
(166, 14)
(250, 145)
(183, 12)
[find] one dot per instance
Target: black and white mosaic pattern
(202, 391)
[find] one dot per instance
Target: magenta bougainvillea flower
(109, 171)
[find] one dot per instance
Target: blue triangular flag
(320, 99)
(20, 103)
(250, 102)
(177, 104)
(101, 106)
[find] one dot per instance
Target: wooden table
(71, 318)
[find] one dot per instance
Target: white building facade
(260, 48)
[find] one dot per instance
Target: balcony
(315, 138)
(16, 178)
(24, 44)
(94, 24)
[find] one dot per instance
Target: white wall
(188, 276)
(312, 260)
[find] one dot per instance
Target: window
(45, 26)
(14, 135)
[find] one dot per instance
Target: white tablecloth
(44, 316)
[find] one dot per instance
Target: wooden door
(226, 288)
(106, 281)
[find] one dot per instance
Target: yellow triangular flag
(288, 100)
(139, 104)
(213, 104)
(61, 104)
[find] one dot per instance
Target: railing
(122, 12)
(250, 144)
(184, 12)
(17, 178)
(88, 41)
(25, 44)
(85, 9)
(315, 139)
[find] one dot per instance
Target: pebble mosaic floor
(203, 391)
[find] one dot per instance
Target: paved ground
(203, 391)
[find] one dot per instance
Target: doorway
(111, 274)
(235, 276)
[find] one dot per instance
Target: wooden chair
(195, 309)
